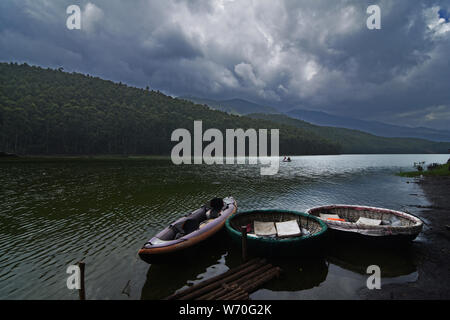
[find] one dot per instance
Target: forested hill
(354, 141)
(44, 111)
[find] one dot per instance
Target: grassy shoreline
(441, 171)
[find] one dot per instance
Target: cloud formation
(313, 54)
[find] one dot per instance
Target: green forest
(52, 112)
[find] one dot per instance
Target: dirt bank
(432, 256)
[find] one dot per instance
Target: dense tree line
(45, 111)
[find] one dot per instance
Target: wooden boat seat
(288, 229)
(368, 222)
(265, 229)
(284, 229)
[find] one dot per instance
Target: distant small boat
(369, 222)
(189, 230)
(276, 232)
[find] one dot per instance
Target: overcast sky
(310, 54)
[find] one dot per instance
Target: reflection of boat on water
(369, 223)
(188, 230)
(299, 274)
(356, 257)
(211, 258)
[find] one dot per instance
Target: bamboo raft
(235, 284)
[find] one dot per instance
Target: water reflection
(207, 261)
(201, 262)
(393, 261)
(299, 274)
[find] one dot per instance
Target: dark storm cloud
(315, 54)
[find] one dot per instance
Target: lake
(55, 212)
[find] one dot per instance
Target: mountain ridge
(326, 119)
(373, 127)
(355, 141)
(234, 106)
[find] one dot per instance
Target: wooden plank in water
(202, 284)
(235, 284)
(218, 283)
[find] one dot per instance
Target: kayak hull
(156, 250)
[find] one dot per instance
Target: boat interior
(362, 216)
(194, 220)
(275, 224)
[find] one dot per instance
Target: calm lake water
(54, 213)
